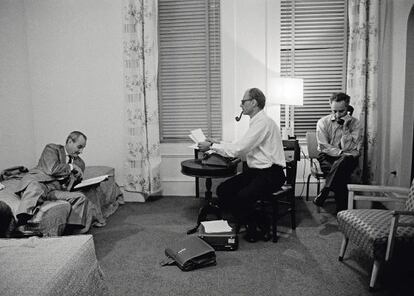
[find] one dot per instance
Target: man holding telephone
(339, 142)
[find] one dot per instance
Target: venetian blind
(189, 68)
(313, 47)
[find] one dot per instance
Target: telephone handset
(12, 171)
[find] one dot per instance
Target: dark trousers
(240, 193)
(338, 171)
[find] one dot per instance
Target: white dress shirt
(334, 138)
(261, 145)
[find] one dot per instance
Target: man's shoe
(251, 238)
(320, 199)
(22, 232)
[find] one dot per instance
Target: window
(189, 68)
(313, 47)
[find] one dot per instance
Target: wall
(250, 56)
(16, 120)
(70, 70)
(397, 134)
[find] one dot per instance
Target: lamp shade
(286, 90)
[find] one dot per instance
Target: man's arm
(51, 164)
(253, 137)
(351, 141)
(323, 136)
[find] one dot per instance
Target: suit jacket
(52, 166)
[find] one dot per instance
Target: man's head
(253, 101)
(339, 104)
(75, 143)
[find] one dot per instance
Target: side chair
(285, 197)
(379, 232)
(315, 169)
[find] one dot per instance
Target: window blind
(313, 47)
(189, 68)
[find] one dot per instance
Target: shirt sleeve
(351, 141)
(323, 136)
(252, 139)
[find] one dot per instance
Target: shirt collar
(258, 115)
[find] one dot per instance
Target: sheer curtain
(140, 57)
(362, 76)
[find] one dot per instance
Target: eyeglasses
(242, 101)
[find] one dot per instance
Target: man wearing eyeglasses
(339, 142)
(49, 181)
(262, 148)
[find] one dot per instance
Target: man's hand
(204, 146)
(77, 172)
(212, 140)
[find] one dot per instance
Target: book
(91, 181)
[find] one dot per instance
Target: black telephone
(349, 112)
(12, 171)
(216, 159)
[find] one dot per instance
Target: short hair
(339, 97)
(75, 135)
(257, 94)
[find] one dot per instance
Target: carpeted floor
(303, 262)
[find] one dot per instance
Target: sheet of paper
(91, 181)
(198, 135)
(216, 226)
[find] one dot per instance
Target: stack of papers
(197, 136)
(216, 226)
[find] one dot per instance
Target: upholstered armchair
(379, 232)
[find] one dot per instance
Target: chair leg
(307, 187)
(343, 248)
(274, 220)
(374, 274)
(318, 186)
(293, 211)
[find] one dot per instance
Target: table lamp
(287, 91)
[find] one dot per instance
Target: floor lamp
(287, 91)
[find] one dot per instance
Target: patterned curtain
(362, 77)
(140, 57)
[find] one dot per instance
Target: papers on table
(197, 136)
(216, 226)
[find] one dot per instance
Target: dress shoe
(320, 199)
(22, 232)
(251, 238)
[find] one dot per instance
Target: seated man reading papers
(262, 148)
(49, 180)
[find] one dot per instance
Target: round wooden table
(194, 168)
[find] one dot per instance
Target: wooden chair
(282, 202)
(379, 232)
(315, 168)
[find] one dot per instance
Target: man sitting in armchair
(58, 168)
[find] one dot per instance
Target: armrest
(392, 193)
(378, 188)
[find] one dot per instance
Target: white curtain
(140, 57)
(362, 77)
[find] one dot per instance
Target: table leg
(210, 207)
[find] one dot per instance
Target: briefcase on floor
(189, 254)
(220, 241)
